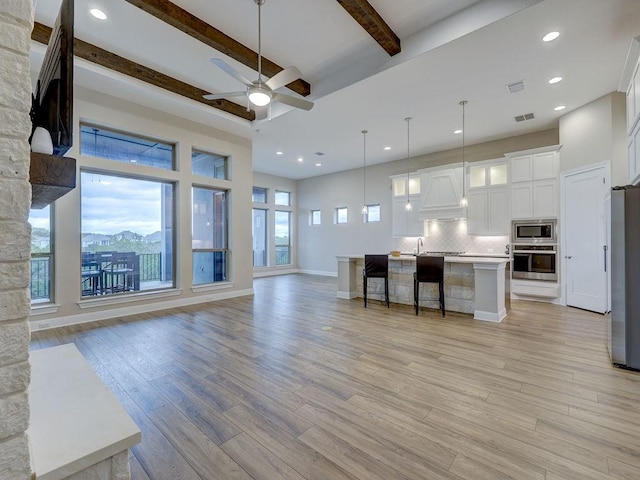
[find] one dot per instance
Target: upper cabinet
(488, 196)
(533, 176)
(406, 223)
(630, 83)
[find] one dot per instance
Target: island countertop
(477, 285)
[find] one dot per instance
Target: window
(120, 147)
(283, 237)
(259, 232)
(259, 195)
(373, 214)
(41, 255)
(127, 227)
(341, 215)
(283, 198)
(209, 237)
(208, 165)
(316, 218)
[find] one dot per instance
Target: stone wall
(16, 23)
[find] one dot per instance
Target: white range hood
(442, 193)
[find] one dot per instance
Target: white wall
(318, 245)
(595, 133)
(273, 183)
(102, 110)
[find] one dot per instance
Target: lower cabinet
(488, 211)
(404, 223)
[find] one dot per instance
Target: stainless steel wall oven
(534, 262)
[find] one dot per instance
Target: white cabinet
(534, 184)
(488, 212)
(631, 78)
(406, 223)
(488, 196)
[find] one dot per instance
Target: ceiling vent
(526, 116)
(516, 87)
(320, 154)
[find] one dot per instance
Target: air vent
(526, 116)
(516, 87)
(320, 154)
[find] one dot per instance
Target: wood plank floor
(294, 383)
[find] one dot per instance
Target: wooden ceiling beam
(179, 18)
(367, 16)
(87, 51)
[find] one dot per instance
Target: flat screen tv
(52, 106)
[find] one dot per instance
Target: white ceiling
(452, 50)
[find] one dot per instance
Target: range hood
(442, 195)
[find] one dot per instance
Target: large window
(283, 237)
(209, 165)
(121, 147)
(127, 234)
(209, 236)
(259, 232)
(41, 255)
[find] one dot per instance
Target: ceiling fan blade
(222, 65)
(283, 78)
(220, 96)
(293, 101)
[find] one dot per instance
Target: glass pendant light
(408, 206)
(365, 209)
(463, 202)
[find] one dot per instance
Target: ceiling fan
(262, 93)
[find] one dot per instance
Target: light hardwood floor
(297, 384)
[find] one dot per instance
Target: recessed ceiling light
(300, 159)
(279, 152)
(560, 107)
(318, 164)
(457, 131)
(99, 14)
(387, 148)
(550, 36)
(555, 80)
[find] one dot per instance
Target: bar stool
(376, 266)
(429, 270)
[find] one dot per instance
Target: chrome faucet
(419, 243)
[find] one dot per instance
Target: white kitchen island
(474, 285)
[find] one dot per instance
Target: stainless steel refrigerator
(624, 341)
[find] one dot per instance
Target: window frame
(266, 195)
(266, 236)
(311, 219)
(226, 160)
(226, 250)
(337, 216)
(366, 215)
(275, 198)
(50, 267)
(289, 244)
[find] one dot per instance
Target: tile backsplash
(451, 236)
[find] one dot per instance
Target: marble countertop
(455, 259)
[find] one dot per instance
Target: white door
(585, 237)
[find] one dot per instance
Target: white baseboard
(346, 295)
(273, 273)
(490, 316)
(134, 309)
(319, 272)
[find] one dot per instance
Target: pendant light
(408, 206)
(365, 209)
(463, 202)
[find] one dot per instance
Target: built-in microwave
(533, 231)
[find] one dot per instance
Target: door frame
(605, 233)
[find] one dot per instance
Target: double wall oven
(534, 249)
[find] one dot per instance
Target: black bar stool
(376, 266)
(429, 270)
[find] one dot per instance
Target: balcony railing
(40, 284)
(283, 255)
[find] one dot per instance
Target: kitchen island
(474, 285)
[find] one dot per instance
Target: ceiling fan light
(259, 97)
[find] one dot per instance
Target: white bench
(77, 427)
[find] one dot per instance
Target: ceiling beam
(367, 16)
(87, 51)
(200, 30)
